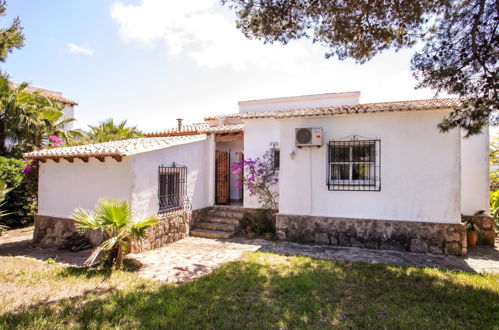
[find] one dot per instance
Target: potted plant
(471, 232)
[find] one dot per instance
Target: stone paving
(193, 257)
(190, 258)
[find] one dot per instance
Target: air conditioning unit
(308, 137)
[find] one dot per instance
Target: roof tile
(416, 105)
(115, 148)
(198, 128)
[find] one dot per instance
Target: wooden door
(222, 170)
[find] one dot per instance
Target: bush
(494, 206)
(20, 202)
(259, 223)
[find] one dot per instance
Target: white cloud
(73, 48)
(201, 30)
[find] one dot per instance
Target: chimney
(179, 124)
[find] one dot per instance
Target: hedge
(20, 202)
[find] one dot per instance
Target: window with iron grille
(354, 165)
(276, 159)
(172, 188)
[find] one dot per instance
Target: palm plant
(114, 219)
(110, 131)
(69, 137)
(28, 118)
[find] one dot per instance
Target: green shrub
(259, 223)
(494, 206)
(20, 202)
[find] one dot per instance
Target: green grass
(270, 291)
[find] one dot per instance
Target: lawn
(262, 290)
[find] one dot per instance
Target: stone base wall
(171, 228)
(51, 231)
(199, 215)
(440, 238)
(486, 228)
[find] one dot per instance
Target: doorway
(222, 177)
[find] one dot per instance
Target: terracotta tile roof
(51, 94)
(198, 128)
(61, 99)
(114, 148)
(416, 105)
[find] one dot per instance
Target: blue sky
(151, 61)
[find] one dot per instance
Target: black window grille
(276, 159)
(354, 165)
(172, 189)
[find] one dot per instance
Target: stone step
(226, 212)
(216, 226)
(225, 220)
(211, 233)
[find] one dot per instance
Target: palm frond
(138, 227)
(113, 212)
(93, 256)
(110, 243)
(86, 220)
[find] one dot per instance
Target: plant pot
(471, 238)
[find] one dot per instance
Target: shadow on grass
(25, 248)
(86, 272)
(268, 291)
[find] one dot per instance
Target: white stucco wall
(195, 156)
(68, 112)
(420, 169)
(64, 186)
(475, 173)
(258, 134)
(236, 148)
(300, 102)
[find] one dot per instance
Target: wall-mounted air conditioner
(308, 137)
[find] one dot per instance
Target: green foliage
(11, 37)
(30, 118)
(494, 206)
(20, 201)
(3, 194)
(259, 223)
(459, 37)
(494, 163)
(110, 131)
(114, 220)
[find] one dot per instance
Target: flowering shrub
(259, 179)
(20, 201)
(55, 141)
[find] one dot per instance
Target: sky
(152, 61)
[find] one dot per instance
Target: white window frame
(373, 164)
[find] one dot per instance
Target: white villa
(376, 175)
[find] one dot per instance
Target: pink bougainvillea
(259, 179)
(55, 141)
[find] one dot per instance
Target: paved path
(193, 257)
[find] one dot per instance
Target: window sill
(170, 210)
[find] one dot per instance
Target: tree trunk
(119, 258)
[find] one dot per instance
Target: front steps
(220, 222)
